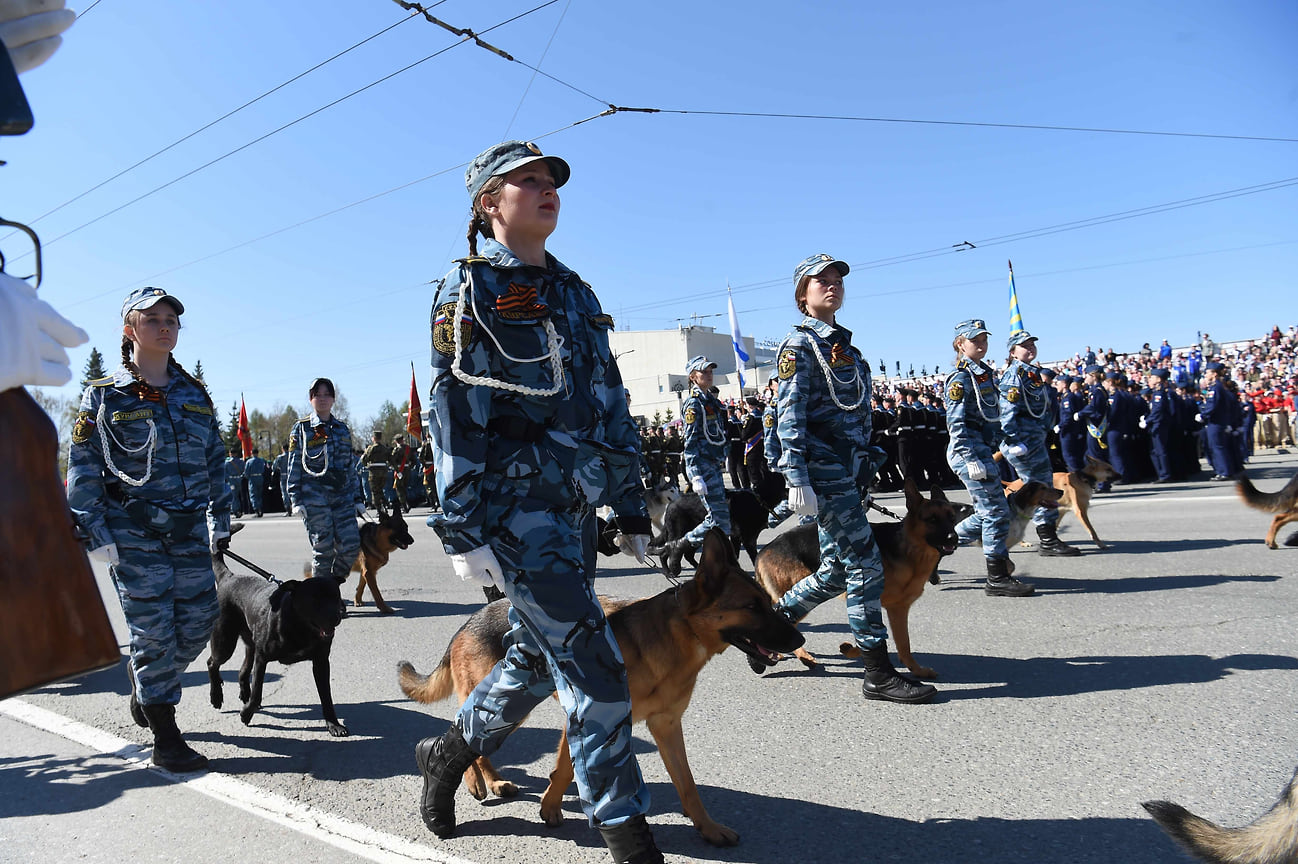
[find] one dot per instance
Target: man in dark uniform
(375, 459)
(1053, 448)
(1159, 423)
(884, 430)
(673, 452)
(735, 449)
(755, 466)
(1072, 430)
(1221, 415)
(910, 426)
(428, 461)
(1122, 419)
(402, 463)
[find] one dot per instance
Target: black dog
(748, 517)
(288, 622)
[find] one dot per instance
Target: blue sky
(663, 210)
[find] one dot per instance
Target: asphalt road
(1162, 668)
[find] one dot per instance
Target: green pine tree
(94, 368)
(198, 372)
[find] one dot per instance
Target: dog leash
(266, 574)
(875, 505)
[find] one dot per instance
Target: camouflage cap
(147, 298)
(1019, 337)
(815, 264)
(505, 157)
(971, 328)
(699, 364)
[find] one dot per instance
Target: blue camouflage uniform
(824, 426)
(255, 471)
(324, 488)
(146, 471)
(1025, 420)
(973, 418)
(1072, 430)
(525, 450)
(704, 419)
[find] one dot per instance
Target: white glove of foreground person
(33, 338)
(30, 30)
(803, 500)
(479, 565)
(635, 545)
(977, 470)
(700, 488)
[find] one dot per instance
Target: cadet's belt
(154, 518)
(517, 429)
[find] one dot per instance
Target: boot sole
(187, 767)
(915, 700)
(1057, 554)
(991, 592)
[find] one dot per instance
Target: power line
(288, 125)
(88, 8)
(223, 117)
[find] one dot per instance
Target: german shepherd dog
(1076, 489)
(666, 640)
(1271, 839)
(910, 550)
(747, 520)
(378, 541)
(1284, 504)
(288, 622)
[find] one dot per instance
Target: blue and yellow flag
(1016, 319)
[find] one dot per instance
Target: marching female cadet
(531, 433)
(323, 485)
(1026, 420)
(704, 419)
(146, 472)
(824, 429)
(974, 419)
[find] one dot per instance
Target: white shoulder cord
(325, 451)
(978, 398)
(149, 443)
(707, 433)
(554, 354)
(831, 379)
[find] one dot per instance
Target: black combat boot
(137, 713)
(631, 842)
(1001, 584)
(1051, 546)
(169, 749)
(442, 762)
(883, 682)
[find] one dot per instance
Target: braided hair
(478, 219)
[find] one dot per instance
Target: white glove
(635, 545)
(1015, 450)
(1141, 423)
(1056, 428)
(803, 500)
(33, 337)
(1198, 418)
(1230, 429)
(479, 565)
(30, 30)
(1076, 417)
(217, 537)
(976, 470)
(107, 554)
(700, 488)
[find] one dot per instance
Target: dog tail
(426, 688)
(1271, 839)
(1269, 502)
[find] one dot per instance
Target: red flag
(244, 435)
(414, 417)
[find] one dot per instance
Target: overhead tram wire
(292, 123)
(1011, 238)
(223, 117)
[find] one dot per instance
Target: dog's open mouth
(753, 650)
(401, 544)
(948, 548)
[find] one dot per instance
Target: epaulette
(106, 381)
(306, 419)
(472, 259)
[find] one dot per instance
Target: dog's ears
(717, 559)
(913, 497)
(937, 495)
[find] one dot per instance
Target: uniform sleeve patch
(688, 416)
(769, 421)
(955, 393)
(788, 365)
(1013, 394)
(198, 409)
(83, 427)
(444, 329)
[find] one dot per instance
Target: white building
(653, 365)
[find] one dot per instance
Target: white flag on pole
(741, 356)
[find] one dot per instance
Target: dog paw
(336, 729)
(386, 609)
(245, 714)
(719, 835)
(552, 814)
(218, 699)
(504, 789)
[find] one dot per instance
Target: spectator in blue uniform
(704, 419)
(531, 433)
(1221, 415)
(974, 421)
(323, 486)
(827, 460)
(1159, 422)
(254, 471)
(146, 476)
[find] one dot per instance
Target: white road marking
(352, 837)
